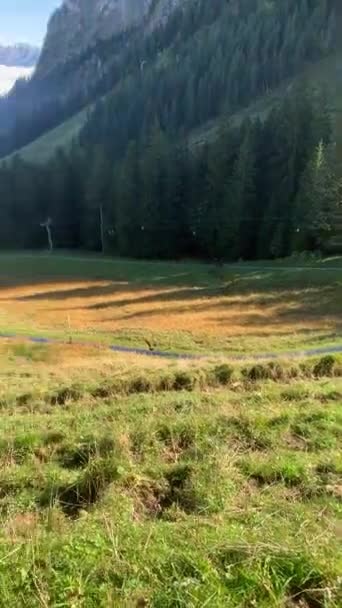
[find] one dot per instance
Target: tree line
(262, 189)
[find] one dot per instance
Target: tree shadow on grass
(283, 307)
(291, 297)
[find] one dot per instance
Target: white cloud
(8, 76)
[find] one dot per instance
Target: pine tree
(243, 196)
(154, 171)
(129, 219)
(97, 203)
(214, 225)
(316, 202)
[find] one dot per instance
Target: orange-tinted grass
(103, 307)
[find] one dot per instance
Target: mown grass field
(132, 482)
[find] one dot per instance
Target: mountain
(19, 55)
(87, 47)
(78, 24)
(132, 85)
(217, 56)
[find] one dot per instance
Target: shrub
(261, 371)
(141, 384)
(324, 367)
(183, 381)
(223, 374)
(65, 394)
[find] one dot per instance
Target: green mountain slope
(42, 149)
(324, 73)
(260, 189)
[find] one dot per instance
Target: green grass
(175, 487)
(43, 148)
(34, 266)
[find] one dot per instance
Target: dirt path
(324, 350)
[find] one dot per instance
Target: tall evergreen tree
(316, 202)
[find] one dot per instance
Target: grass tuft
(84, 491)
(325, 366)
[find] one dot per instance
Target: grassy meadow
(132, 482)
(175, 307)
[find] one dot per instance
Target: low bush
(324, 367)
(183, 381)
(223, 374)
(264, 371)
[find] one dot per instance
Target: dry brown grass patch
(105, 306)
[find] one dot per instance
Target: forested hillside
(131, 184)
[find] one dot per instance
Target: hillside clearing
(42, 149)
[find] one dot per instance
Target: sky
(25, 20)
(8, 76)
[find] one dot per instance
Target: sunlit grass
(130, 482)
(173, 307)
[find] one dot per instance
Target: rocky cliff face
(78, 24)
(73, 70)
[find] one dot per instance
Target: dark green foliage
(261, 371)
(65, 394)
(183, 381)
(325, 366)
(133, 187)
(223, 373)
(140, 385)
(235, 199)
(201, 52)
